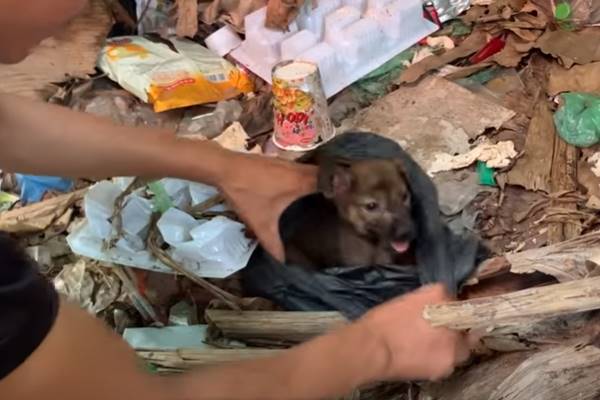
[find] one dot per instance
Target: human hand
(411, 348)
(260, 188)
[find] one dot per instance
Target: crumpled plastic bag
(578, 119)
(168, 77)
(441, 255)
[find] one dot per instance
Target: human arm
(81, 358)
(392, 342)
(45, 139)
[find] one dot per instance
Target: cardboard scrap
(497, 155)
(579, 78)
(39, 216)
(435, 116)
(580, 47)
(234, 138)
(187, 18)
(70, 54)
(469, 46)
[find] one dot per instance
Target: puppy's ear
(401, 170)
(335, 179)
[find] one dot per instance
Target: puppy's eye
(371, 206)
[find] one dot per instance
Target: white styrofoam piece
(175, 226)
(346, 38)
(200, 193)
(220, 243)
(216, 251)
(85, 242)
(98, 205)
(223, 41)
(136, 215)
(178, 191)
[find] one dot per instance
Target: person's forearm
(45, 139)
(329, 366)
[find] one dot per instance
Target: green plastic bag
(578, 119)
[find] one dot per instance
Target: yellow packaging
(170, 79)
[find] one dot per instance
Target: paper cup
(300, 107)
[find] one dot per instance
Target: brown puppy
(366, 222)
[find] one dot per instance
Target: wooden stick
(273, 325)
(187, 358)
(518, 307)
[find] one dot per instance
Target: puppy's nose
(403, 230)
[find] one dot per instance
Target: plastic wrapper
(578, 119)
(441, 255)
(168, 77)
(33, 187)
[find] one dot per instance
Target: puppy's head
(374, 197)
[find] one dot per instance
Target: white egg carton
(346, 38)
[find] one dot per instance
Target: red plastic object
(492, 47)
(430, 13)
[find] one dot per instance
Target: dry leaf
(513, 52)
(38, 216)
(72, 53)
(187, 18)
(469, 46)
(581, 47)
(579, 78)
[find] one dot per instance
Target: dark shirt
(28, 306)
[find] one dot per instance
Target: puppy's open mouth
(400, 246)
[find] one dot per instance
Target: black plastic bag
(441, 255)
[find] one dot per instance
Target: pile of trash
(496, 101)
